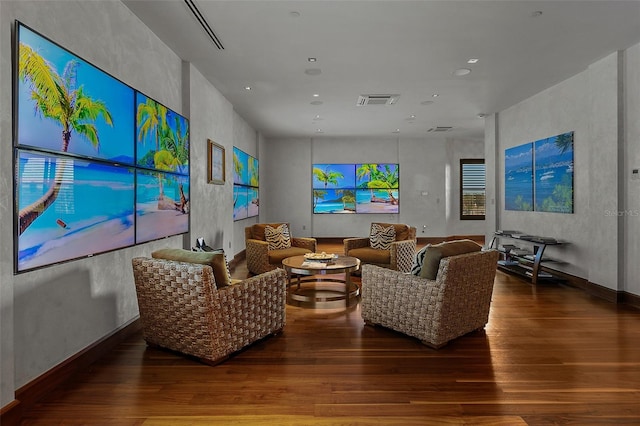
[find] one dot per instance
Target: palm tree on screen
(237, 165)
(57, 98)
(327, 176)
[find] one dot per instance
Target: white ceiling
(410, 48)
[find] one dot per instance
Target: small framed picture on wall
(216, 163)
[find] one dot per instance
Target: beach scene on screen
(377, 188)
(240, 202)
(334, 201)
(253, 200)
(162, 205)
(91, 212)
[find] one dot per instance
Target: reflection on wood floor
(550, 355)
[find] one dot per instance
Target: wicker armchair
(435, 311)
(399, 257)
(260, 259)
(181, 309)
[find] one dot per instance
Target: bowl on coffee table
(320, 257)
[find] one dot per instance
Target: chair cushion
(216, 259)
(370, 255)
(418, 260)
(436, 252)
(278, 238)
(380, 237)
(257, 230)
(277, 256)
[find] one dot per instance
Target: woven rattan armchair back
(436, 311)
(181, 309)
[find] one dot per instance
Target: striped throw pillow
(418, 260)
(380, 238)
(278, 238)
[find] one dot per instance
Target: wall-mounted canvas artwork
(518, 178)
(554, 174)
(539, 175)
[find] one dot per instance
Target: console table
(521, 261)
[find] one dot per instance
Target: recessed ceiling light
(396, 131)
(319, 131)
(426, 102)
(311, 59)
(247, 87)
(536, 13)
(481, 115)
(462, 71)
(315, 95)
(435, 95)
(472, 61)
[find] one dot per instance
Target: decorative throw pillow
(418, 260)
(278, 238)
(437, 252)
(380, 238)
(216, 259)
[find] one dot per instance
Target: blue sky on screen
(116, 143)
(348, 179)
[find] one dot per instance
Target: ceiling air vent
(377, 100)
(203, 23)
(439, 129)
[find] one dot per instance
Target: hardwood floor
(550, 355)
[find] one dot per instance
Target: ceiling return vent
(204, 24)
(377, 100)
(440, 129)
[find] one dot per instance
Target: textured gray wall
(632, 161)
(587, 104)
(246, 139)
(423, 167)
(211, 208)
(51, 314)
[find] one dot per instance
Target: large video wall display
(539, 175)
(246, 185)
(356, 188)
(98, 165)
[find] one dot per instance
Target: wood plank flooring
(550, 355)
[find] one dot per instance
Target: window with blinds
(472, 189)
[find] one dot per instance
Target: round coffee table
(306, 271)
